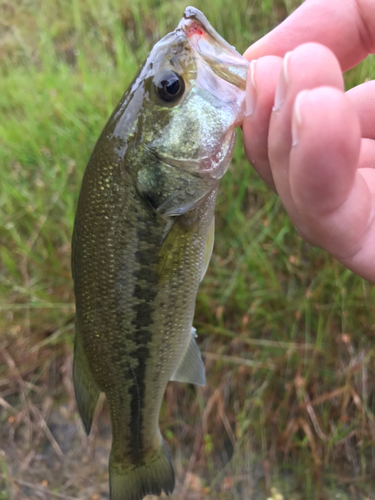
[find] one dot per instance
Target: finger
(363, 99)
(332, 196)
(260, 93)
(367, 154)
(323, 166)
(368, 175)
(347, 27)
(308, 66)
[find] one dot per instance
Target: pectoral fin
(191, 367)
(87, 392)
(209, 247)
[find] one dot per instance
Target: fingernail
(297, 116)
(282, 86)
(251, 92)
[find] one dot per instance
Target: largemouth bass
(142, 240)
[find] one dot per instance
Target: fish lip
(223, 59)
(194, 20)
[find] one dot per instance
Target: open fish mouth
(223, 59)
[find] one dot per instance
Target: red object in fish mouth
(194, 29)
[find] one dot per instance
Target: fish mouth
(223, 59)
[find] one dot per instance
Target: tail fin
(149, 476)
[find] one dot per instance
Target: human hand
(309, 140)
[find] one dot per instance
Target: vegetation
(287, 333)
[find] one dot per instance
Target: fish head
(175, 124)
(194, 87)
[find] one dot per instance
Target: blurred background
(286, 333)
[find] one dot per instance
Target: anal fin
(191, 367)
(87, 392)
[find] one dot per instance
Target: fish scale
(142, 239)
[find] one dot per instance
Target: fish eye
(170, 87)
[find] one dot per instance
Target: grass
(287, 333)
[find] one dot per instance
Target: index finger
(347, 27)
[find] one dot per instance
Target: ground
(287, 334)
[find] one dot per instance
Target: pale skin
(310, 141)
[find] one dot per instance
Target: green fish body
(142, 240)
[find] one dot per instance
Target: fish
(142, 239)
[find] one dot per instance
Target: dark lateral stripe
(144, 295)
